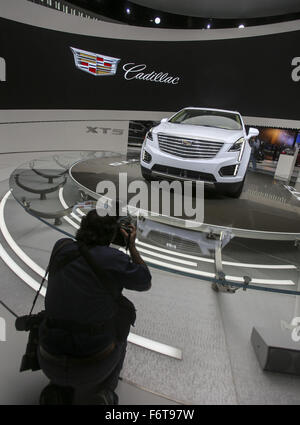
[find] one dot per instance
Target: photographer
(83, 339)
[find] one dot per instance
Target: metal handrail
(50, 177)
(57, 215)
(41, 192)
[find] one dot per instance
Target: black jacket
(74, 293)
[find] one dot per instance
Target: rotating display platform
(265, 209)
(242, 240)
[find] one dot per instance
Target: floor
(23, 388)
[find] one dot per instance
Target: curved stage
(57, 190)
(265, 210)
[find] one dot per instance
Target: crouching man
(83, 338)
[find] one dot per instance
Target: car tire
(233, 190)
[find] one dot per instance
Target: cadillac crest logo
(187, 142)
(95, 63)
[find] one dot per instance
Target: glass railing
(59, 189)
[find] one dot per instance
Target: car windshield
(207, 118)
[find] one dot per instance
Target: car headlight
(149, 135)
(238, 145)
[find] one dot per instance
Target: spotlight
(157, 20)
(242, 26)
(128, 11)
(208, 26)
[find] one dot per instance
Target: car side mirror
(164, 120)
(252, 132)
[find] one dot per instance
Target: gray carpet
(181, 312)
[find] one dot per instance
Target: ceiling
(224, 8)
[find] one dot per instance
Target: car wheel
(233, 190)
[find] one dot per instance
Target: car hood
(199, 132)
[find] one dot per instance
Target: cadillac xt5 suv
(209, 145)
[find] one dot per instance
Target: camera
(123, 223)
(32, 324)
(29, 322)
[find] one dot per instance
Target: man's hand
(132, 236)
(135, 256)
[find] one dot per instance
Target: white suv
(199, 144)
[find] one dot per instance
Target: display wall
(69, 135)
(253, 75)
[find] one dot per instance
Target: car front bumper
(164, 165)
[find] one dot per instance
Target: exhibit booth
(78, 99)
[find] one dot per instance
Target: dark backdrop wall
(251, 75)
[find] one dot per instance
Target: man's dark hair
(97, 230)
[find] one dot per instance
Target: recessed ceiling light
(157, 20)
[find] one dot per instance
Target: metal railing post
(220, 284)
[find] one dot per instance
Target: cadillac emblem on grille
(187, 142)
(95, 63)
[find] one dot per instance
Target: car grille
(185, 174)
(173, 242)
(188, 148)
